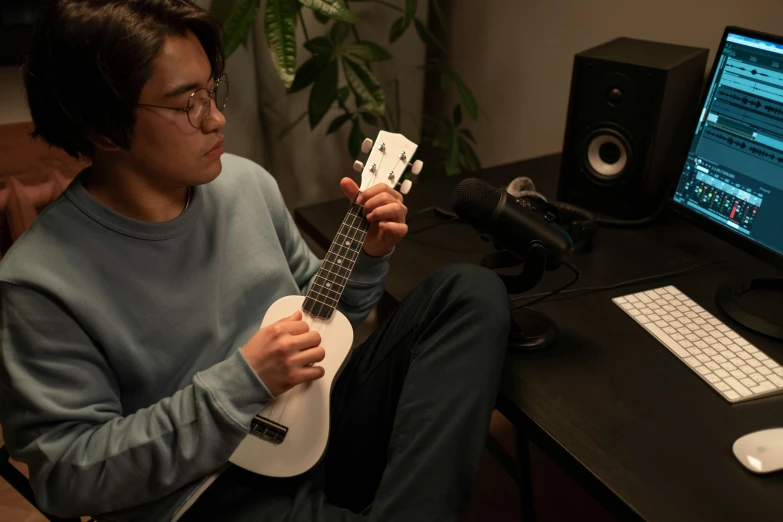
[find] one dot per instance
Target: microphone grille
(474, 200)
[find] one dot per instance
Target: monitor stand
(728, 300)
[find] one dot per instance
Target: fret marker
(339, 261)
(347, 243)
(328, 285)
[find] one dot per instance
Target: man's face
(166, 148)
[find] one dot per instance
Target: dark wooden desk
(609, 403)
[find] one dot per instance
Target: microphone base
(531, 331)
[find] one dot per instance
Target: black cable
(591, 289)
(544, 297)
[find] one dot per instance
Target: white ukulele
(288, 437)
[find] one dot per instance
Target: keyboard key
(631, 298)
(738, 374)
(710, 352)
(748, 382)
(742, 342)
(719, 359)
(738, 387)
(712, 378)
(728, 366)
(714, 321)
(703, 358)
(769, 363)
(737, 361)
(694, 351)
(744, 355)
(722, 373)
(732, 335)
(747, 369)
(686, 344)
(702, 345)
(661, 324)
(754, 362)
(761, 356)
(778, 370)
(703, 370)
(731, 395)
(643, 319)
(758, 377)
(712, 365)
(669, 330)
(643, 298)
(693, 361)
(708, 328)
(776, 380)
(678, 337)
(763, 370)
(692, 337)
(763, 387)
(722, 386)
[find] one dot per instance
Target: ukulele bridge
(268, 430)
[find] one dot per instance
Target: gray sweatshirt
(122, 383)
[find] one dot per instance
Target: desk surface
(611, 404)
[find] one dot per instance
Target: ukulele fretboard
(329, 282)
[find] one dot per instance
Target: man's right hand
(281, 352)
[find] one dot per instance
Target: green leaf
(446, 79)
(366, 87)
(332, 8)
(222, 10)
(322, 18)
(369, 118)
(466, 97)
(426, 36)
(397, 29)
(339, 31)
(319, 45)
(309, 71)
(323, 94)
(342, 93)
(457, 115)
(238, 25)
(355, 140)
(467, 134)
(338, 122)
(369, 51)
(280, 30)
(469, 156)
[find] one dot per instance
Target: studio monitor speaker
(632, 110)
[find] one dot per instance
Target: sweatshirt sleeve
(365, 286)
(62, 415)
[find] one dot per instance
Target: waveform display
(753, 101)
(754, 72)
(740, 144)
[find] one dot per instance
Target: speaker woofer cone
(607, 155)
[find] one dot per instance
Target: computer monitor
(732, 180)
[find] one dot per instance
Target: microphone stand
(530, 330)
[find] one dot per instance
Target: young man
(131, 359)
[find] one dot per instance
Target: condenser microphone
(514, 224)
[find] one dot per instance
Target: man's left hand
(384, 210)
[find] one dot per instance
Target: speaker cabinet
(631, 115)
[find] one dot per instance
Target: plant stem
(304, 27)
(392, 6)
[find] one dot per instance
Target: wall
(517, 55)
(13, 106)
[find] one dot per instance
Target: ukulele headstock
(388, 158)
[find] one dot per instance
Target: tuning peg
(358, 166)
(416, 168)
(366, 145)
(406, 186)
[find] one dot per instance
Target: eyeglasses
(199, 102)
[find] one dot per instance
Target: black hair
(88, 61)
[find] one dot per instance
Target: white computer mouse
(761, 451)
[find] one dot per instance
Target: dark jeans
(409, 418)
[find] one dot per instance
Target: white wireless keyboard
(731, 365)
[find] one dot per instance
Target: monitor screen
(734, 171)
